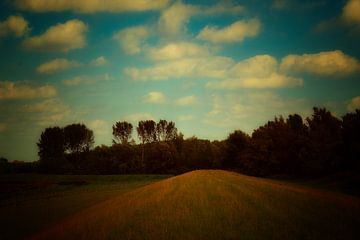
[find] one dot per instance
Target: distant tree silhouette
(147, 131)
(236, 142)
(165, 131)
(51, 149)
(325, 141)
(78, 138)
(351, 137)
(122, 132)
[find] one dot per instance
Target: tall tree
(51, 147)
(166, 131)
(326, 140)
(236, 143)
(78, 138)
(147, 134)
(351, 136)
(122, 132)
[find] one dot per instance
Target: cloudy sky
(210, 66)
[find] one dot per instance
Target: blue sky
(209, 66)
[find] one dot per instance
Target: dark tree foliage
(322, 144)
(122, 132)
(51, 147)
(351, 137)
(147, 131)
(236, 143)
(165, 131)
(325, 136)
(78, 138)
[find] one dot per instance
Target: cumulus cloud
(235, 32)
(100, 127)
(100, 61)
(154, 97)
(90, 6)
(351, 11)
(188, 67)
(11, 90)
(132, 38)
(223, 7)
(256, 72)
(57, 64)
(15, 25)
(251, 109)
(62, 37)
(188, 117)
(48, 112)
(178, 50)
(185, 101)
(280, 4)
(87, 79)
(354, 104)
(323, 63)
(173, 20)
(136, 117)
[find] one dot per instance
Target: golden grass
(215, 204)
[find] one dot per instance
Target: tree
(165, 131)
(236, 142)
(51, 147)
(147, 131)
(325, 141)
(122, 132)
(147, 134)
(78, 138)
(351, 136)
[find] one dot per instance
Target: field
(204, 204)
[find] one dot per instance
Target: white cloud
(100, 61)
(185, 101)
(90, 6)
(136, 117)
(100, 127)
(11, 90)
(47, 106)
(236, 32)
(87, 79)
(260, 71)
(354, 104)
(188, 67)
(250, 110)
(55, 65)
(15, 25)
(323, 63)
(173, 19)
(62, 37)
(351, 11)
(183, 118)
(132, 38)
(48, 112)
(223, 7)
(154, 97)
(178, 50)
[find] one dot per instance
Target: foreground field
(30, 203)
(216, 205)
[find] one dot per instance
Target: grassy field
(30, 203)
(210, 204)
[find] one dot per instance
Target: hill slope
(216, 204)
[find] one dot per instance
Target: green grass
(30, 203)
(216, 205)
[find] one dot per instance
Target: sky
(210, 66)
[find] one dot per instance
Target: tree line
(317, 145)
